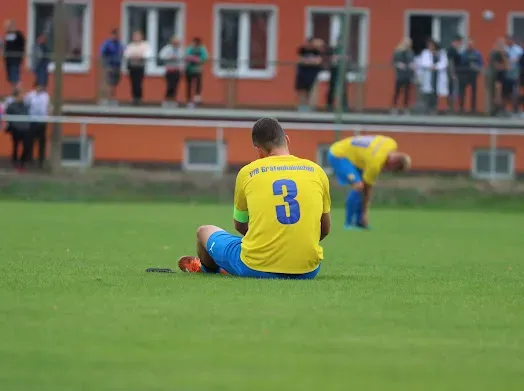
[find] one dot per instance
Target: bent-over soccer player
(281, 209)
(358, 161)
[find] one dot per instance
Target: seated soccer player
(281, 209)
(357, 161)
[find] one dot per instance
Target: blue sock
(353, 203)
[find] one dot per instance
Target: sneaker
(190, 264)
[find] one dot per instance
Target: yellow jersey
(282, 198)
(368, 153)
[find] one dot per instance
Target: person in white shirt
(172, 56)
(39, 104)
(136, 54)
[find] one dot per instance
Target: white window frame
(511, 20)
(88, 159)
(337, 13)
(243, 71)
(221, 156)
(324, 165)
(436, 22)
(493, 175)
(68, 67)
(152, 69)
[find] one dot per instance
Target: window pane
(74, 16)
(71, 150)
(449, 28)
(44, 23)
(354, 41)
(166, 28)
(502, 163)
(321, 27)
(202, 154)
(229, 36)
(482, 162)
(323, 156)
(259, 22)
(136, 21)
(518, 28)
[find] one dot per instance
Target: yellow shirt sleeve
(240, 211)
(326, 196)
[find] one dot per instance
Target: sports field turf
(426, 301)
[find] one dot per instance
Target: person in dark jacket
(111, 55)
(41, 60)
(472, 63)
(403, 62)
(20, 131)
(14, 48)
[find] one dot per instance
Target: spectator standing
(472, 64)
(403, 62)
(172, 56)
(20, 131)
(521, 78)
(39, 104)
(435, 82)
(334, 57)
(111, 53)
(501, 85)
(14, 49)
(515, 52)
(136, 54)
(454, 71)
(308, 68)
(196, 55)
(41, 59)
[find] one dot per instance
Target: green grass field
(426, 301)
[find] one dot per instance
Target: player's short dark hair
(267, 133)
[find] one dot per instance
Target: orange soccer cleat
(190, 264)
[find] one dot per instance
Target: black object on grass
(158, 270)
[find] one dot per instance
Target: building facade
(253, 44)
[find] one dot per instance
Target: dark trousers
(332, 88)
(172, 79)
(402, 86)
(136, 76)
(465, 81)
(193, 81)
(20, 139)
(38, 136)
(41, 75)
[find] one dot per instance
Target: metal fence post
(220, 152)
(83, 146)
(492, 154)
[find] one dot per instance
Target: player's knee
(205, 231)
(358, 186)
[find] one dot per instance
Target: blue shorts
(345, 171)
(224, 248)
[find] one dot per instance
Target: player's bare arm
(325, 225)
(241, 227)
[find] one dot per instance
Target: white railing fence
(218, 127)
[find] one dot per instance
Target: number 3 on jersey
(289, 199)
